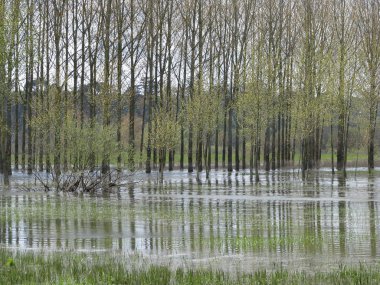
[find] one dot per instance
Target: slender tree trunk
(266, 149)
(75, 102)
(66, 90)
(81, 157)
(144, 114)
(57, 22)
(332, 149)
(120, 12)
(224, 137)
(251, 159)
(107, 86)
(132, 95)
(150, 63)
(229, 141)
(192, 90)
(42, 87)
(46, 93)
(17, 104)
(182, 148)
(30, 91)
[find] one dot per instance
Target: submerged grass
(86, 268)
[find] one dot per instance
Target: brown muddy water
(228, 222)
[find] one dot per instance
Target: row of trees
(262, 79)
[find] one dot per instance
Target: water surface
(228, 222)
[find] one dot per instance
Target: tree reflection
(372, 215)
(342, 214)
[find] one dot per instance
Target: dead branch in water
(82, 182)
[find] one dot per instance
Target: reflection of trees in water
(342, 214)
(3, 222)
(132, 216)
(271, 219)
(372, 215)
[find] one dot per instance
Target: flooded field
(228, 222)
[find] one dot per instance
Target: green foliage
(291, 58)
(166, 128)
(203, 112)
(304, 113)
(10, 262)
(252, 113)
(43, 121)
(82, 141)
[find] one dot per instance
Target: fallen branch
(82, 182)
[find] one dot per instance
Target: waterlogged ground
(227, 223)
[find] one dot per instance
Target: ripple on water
(227, 222)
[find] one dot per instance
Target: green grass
(86, 268)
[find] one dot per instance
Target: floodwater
(228, 222)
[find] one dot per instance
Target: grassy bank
(76, 268)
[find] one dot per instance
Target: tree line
(222, 83)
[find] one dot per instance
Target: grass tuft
(90, 268)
